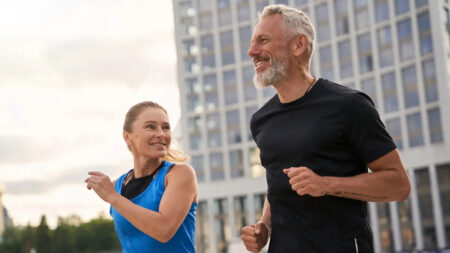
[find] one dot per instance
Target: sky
(69, 72)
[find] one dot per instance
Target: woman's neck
(144, 166)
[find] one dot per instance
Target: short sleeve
(365, 131)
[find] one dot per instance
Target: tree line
(70, 236)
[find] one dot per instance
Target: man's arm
(387, 182)
(255, 236)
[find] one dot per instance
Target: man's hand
(255, 236)
(102, 185)
(305, 181)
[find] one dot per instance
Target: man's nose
(253, 50)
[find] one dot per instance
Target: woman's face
(150, 136)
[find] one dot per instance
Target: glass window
(384, 223)
(443, 176)
(243, 10)
(385, 46)
(285, 2)
(429, 81)
(245, 34)
(420, 3)
(322, 22)
(195, 141)
(211, 97)
(193, 103)
(345, 59)
(259, 199)
(269, 91)
(205, 21)
(406, 46)
(213, 129)
(226, 43)
(249, 89)
(326, 62)
(401, 6)
(365, 53)
(202, 226)
(422, 177)
(381, 10)
(389, 92)
(368, 86)
(409, 81)
(406, 225)
(361, 10)
(415, 134)
(207, 44)
(193, 87)
(394, 128)
(224, 12)
(216, 166)
(240, 213)
(197, 164)
(260, 4)
(187, 26)
(435, 125)
(189, 48)
(249, 111)
(233, 127)
(301, 2)
(256, 169)
(190, 65)
(236, 163)
(221, 225)
(230, 87)
(426, 43)
(341, 15)
(205, 5)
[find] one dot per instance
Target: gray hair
(296, 21)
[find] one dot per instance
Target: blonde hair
(296, 21)
(131, 116)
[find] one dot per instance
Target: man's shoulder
(332, 88)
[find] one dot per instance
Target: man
(316, 140)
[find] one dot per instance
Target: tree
(63, 239)
(43, 237)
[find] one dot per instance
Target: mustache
(261, 58)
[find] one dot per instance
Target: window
(205, 21)
(426, 43)
(422, 178)
(406, 225)
(256, 169)
(207, 44)
(322, 22)
(230, 87)
(203, 228)
(384, 223)
(429, 81)
(406, 46)
(385, 46)
(401, 6)
(443, 176)
(368, 86)
(193, 87)
(195, 141)
(233, 127)
(211, 97)
(193, 103)
(345, 59)
(216, 166)
(409, 81)
(269, 91)
(415, 134)
(249, 89)
(365, 53)
(249, 111)
(187, 26)
(389, 92)
(190, 65)
(213, 129)
(236, 163)
(240, 213)
(361, 10)
(341, 15)
(226, 44)
(197, 164)
(394, 128)
(259, 205)
(381, 10)
(260, 4)
(420, 3)
(326, 62)
(224, 12)
(243, 10)
(189, 48)
(435, 125)
(245, 34)
(301, 2)
(221, 225)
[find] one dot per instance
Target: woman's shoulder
(182, 169)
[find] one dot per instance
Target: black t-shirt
(335, 131)
(132, 186)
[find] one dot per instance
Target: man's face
(269, 51)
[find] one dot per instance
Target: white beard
(275, 73)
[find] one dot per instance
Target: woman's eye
(150, 127)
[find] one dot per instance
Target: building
(396, 51)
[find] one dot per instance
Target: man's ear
(300, 44)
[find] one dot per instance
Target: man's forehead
(269, 25)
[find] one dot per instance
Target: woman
(153, 205)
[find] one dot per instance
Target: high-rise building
(396, 51)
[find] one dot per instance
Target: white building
(396, 51)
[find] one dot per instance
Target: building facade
(396, 51)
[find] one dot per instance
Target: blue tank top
(133, 240)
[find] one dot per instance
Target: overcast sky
(69, 71)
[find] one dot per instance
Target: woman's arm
(180, 193)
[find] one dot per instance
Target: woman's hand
(102, 185)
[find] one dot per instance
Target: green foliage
(70, 236)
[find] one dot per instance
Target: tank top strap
(161, 175)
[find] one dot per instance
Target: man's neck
(294, 87)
